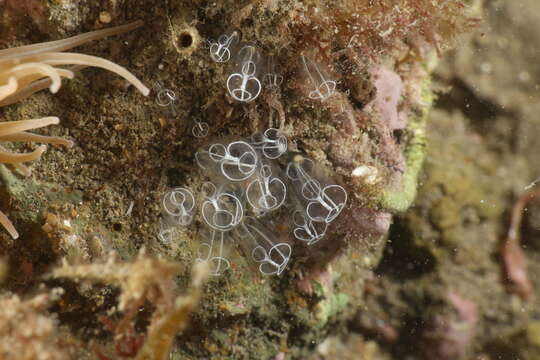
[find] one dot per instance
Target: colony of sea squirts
(251, 180)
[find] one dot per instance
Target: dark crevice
(402, 258)
(474, 106)
(81, 313)
(486, 116)
(185, 40)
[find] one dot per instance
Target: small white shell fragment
(368, 173)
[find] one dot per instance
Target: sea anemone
(27, 69)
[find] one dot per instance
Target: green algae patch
(399, 200)
(328, 308)
(32, 197)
